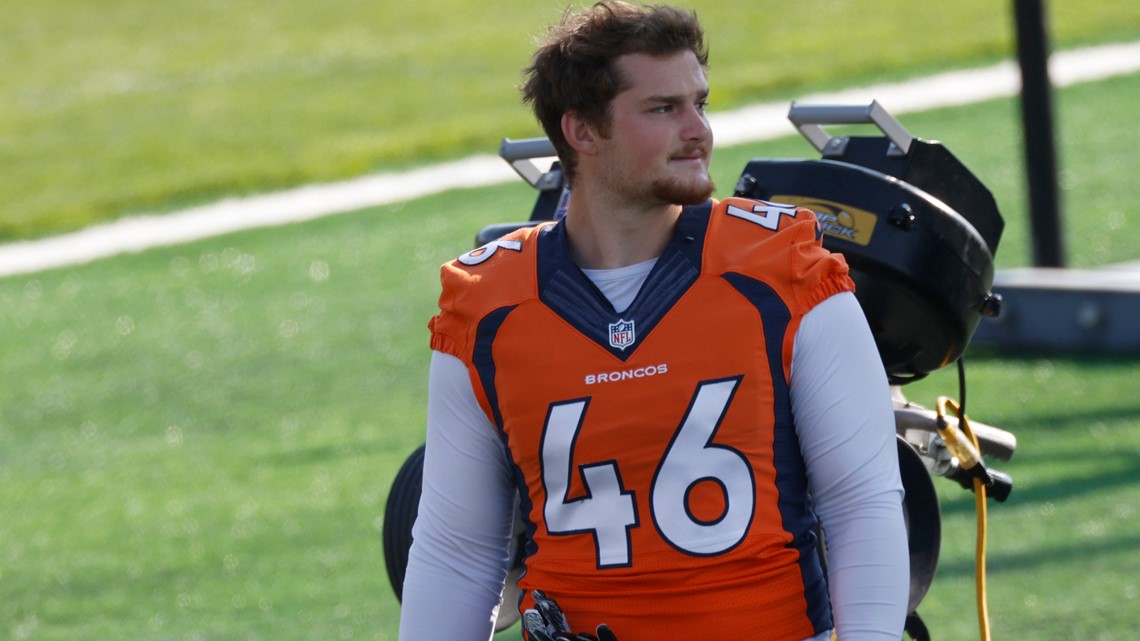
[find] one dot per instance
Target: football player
(682, 392)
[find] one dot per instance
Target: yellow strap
(943, 404)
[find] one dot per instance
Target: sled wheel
(915, 628)
(923, 522)
(399, 516)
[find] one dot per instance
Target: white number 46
(608, 511)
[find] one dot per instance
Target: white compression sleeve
(459, 558)
(844, 418)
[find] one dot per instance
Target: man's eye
(663, 109)
(703, 105)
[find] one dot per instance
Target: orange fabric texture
(655, 476)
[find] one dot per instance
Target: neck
(607, 235)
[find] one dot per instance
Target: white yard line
(750, 124)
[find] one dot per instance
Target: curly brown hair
(573, 68)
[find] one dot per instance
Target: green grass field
(196, 442)
(125, 106)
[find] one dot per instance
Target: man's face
(659, 137)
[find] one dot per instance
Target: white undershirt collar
(621, 284)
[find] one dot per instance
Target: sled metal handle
(809, 118)
(994, 441)
(520, 154)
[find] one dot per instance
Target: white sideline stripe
(750, 124)
(949, 89)
(139, 233)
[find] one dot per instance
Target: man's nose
(696, 125)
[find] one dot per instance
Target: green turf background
(116, 107)
(196, 442)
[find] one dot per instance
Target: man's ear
(581, 135)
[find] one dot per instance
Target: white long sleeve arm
(842, 406)
(459, 558)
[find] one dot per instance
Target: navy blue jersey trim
(483, 357)
(484, 360)
(791, 471)
(569, 293)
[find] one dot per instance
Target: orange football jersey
(661, 479)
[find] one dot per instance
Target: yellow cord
(970, 458)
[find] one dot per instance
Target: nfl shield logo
(622, 334)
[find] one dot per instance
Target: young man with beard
(679, 390)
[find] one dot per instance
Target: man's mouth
(690, 156)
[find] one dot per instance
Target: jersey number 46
(608, 511)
